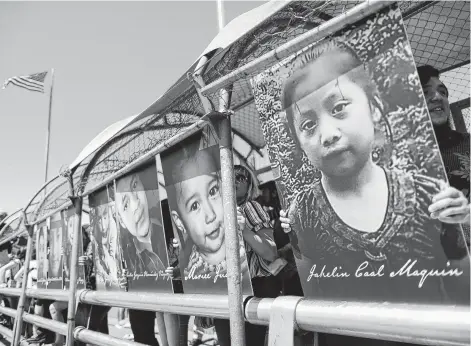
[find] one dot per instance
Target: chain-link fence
(438, 33)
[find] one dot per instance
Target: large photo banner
(105, 239)
(41, 254)
(54, 272)
(142, 237)
(193, 184)
(357, 165)
(68, 221)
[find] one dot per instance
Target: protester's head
(245, 182)
(194, 194)
(132, 206)
(436, 94)
(332, 108)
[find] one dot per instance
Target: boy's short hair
(426, 72)
(176, 158)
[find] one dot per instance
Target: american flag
(34, 82)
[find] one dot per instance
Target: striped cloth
(257, 219)
(33, 82)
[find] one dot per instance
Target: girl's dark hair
(252, 189)
(359, 76)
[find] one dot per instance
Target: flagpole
(221, 20)
(48, 134)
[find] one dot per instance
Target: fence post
(18, 324)
(234, 281)
(77, 202)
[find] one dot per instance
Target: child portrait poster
(54, 272)
(41, 254)
(68, 221)
(192, 177)
(105, 239)
(347, 114)
(142, 237)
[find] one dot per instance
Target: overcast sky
(111, 60)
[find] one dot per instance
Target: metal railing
(418, 324)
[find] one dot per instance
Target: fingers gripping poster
(350, 138)
(192, 177)
(142, 237)
(105, 239)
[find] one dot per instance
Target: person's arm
(450, 206)
(261, 239)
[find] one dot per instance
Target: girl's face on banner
(333, 123)
(201, 212)
(132, 205)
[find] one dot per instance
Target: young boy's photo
(193, 185)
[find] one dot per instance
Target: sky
(111, 61)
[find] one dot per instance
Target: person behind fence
(454, 148)
(257, 232)
(41, 306)
(93, 317)
(332, 108)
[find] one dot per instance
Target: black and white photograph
(193, 184)
(106, 250)
(54, 272)
(41, 255)
(346, 121)
(141, 232)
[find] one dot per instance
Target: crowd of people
(265, 231)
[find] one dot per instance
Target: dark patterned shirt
(455, 150)
(407, 233)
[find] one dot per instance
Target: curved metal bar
(39, 191)
(46, 323)
(6, 333)
(412, 323)
(49, 294)
(38, 208)
(12, 236)
(216, 306)
(335, 24)
(8, 311)
(14, 292)
(7, 220)
(95, 338)
(169, 142)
